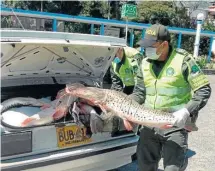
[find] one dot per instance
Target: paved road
(201, 143)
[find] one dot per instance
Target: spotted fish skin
(121, 105)
(126, 108)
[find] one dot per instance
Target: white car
(38, 64)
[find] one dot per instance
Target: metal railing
(105, 22)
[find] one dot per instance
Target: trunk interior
(49, 130)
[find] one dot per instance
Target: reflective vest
(169, 91)
(127, 71)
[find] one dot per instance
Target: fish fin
(190, 126)
(167, 126)
(127, 125)
(27, 121)
(103, 109)
(58, 114)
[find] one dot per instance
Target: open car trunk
(39, 64)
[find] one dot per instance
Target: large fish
(55, 111)
(21, 101)
(119, 104)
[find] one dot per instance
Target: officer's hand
(96, 123)
(181, 117)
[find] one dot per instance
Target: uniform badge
(194, 69)
(170, 71)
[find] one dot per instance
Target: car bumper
(100, 156)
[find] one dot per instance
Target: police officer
(124, 68)
(123, 72)
(168, 79)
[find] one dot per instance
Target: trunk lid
(38, 55)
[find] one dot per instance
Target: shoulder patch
(194, 69)
(181, 51)
(193, 66)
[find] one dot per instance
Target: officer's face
(119, 53)
(162, 49)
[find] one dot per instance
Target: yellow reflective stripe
(168, 91)
(163, 100)
(150, 91)
(128, 81)
(173, 91)
(168, 109)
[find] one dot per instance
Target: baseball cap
(153, 34)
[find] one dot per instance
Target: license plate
(68, 136)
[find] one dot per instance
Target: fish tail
(167, 126)
(128, 125)
(56, 115)
(59, 114)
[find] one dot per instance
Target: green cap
(156, 32)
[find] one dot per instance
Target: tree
(64, 7)
(168, 14)
(153, 11)
(115, 10)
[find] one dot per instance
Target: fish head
(62, 106)
(90, 94)
(63, 99)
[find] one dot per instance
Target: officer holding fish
(168, 79)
